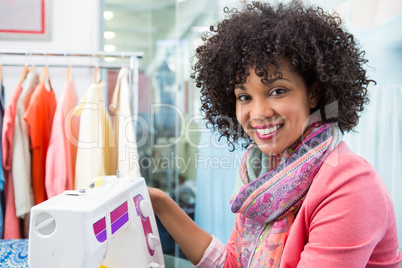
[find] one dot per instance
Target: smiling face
(274, 115)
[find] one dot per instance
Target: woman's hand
(192, 240)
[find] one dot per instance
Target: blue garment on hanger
(216, 172)
(1, 215)
(379, 137)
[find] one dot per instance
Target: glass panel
(168, 132)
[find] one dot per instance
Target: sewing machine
(110, 225)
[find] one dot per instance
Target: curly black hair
(260, 35)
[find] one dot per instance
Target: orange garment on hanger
(39, 117)
(11, 222)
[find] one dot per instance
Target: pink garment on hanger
(12, 228)
(62, 150)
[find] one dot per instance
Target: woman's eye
(277, 91)
(242, 97)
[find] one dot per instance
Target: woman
(289, 82)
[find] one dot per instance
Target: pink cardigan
(11, 221)
(346, 220)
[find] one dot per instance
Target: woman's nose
(261, 110)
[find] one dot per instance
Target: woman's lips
(267, 132)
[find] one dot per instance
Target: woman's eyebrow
(273, 80)
(242, 87)
(270, 82)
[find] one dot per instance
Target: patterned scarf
(269, 199)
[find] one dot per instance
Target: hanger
(23, 74)
(45, 75)
(97, 78)
(95, 74)
(32, 64)
(24, 70)
(68, 73)
(68, 67)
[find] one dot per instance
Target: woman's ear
(314, 95)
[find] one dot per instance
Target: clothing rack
(133, 65)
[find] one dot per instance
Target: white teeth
(266, 131)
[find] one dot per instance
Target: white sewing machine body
(112, 226)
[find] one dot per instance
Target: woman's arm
(192, 240)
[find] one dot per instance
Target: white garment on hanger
(96, 152)
(124, 127)
(21, 154)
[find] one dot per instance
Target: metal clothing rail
(97, 54)
(73, 65)
(133, 65)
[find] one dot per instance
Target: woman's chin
(270, 149)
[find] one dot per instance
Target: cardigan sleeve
(351, 219)
(219, 255)
(214, 255)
